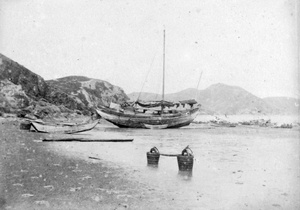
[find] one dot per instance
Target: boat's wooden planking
(47, 128)
(136, 121)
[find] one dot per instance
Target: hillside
(90, 92)
(226, 99)
(24, 91)
(33, 85)
(284, 105)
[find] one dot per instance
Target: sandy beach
(32, 177)
(234, 168)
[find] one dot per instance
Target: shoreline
(39, 175)
(32, 177)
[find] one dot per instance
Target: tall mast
(163, 86)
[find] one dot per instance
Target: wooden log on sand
(87, 140)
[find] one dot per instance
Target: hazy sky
(247, 43)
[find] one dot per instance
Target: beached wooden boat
(152, 114)
(63, 128)
(143, 120)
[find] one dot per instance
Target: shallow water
(234, 168)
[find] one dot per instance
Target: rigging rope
(146, 78)
(198, 86)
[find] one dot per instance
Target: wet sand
(33, 177)
(234, 168)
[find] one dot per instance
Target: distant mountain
(23, 90)
(283, 105)
(225, 99)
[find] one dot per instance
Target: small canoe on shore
(63, 128)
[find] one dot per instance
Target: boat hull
(140, 120)
(63, 128)
(156, 126)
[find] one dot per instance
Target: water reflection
(152, 166)
(185, 175)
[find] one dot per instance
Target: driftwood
(94, 158)
(87, 137)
